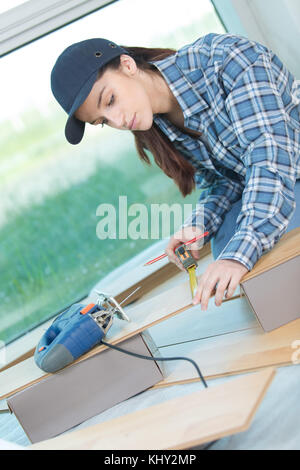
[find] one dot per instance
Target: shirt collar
(168, 128)
(190, 101)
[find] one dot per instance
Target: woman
(221, 114)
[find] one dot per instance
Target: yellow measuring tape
(193, 279)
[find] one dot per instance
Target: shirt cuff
(245, 247)
(204, 219)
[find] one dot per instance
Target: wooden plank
(21, 358)
(195, 324)
(229, 354)
(151, 278)
(24, 347)
(180, 276)
(119, 283)
(183, 422)
(288, 247)
(146, 278)
(142, 316)
(274, 294)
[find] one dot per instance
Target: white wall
(275, 23)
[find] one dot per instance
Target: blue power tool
(75, 331)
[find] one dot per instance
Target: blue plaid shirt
(247, 105)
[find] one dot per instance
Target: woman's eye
(103, 122)
(111, 100)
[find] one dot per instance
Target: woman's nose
(117, 119)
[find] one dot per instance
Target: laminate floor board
(118, 283)
(231, 353)
(275, 425)
(195, 324)
(198, 418)
(11, 430)
(152, 311)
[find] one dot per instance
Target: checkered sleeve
(260, 122)
(213, 203)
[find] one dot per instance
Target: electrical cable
(141, 356)
(151, 358)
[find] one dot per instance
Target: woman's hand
(220, 276)
(182, 236)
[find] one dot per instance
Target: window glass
(50, 190)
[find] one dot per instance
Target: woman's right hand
(182, 236)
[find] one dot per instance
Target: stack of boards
(241, 345)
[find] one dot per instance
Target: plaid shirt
(247, 105)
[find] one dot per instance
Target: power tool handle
(49, 336)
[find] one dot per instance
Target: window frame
(37, 18)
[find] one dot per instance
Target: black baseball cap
(74, 75)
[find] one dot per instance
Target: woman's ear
(127, 64)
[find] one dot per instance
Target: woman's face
(119, 98)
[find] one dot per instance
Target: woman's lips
(132, 122)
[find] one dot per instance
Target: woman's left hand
(226, 274)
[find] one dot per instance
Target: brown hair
(166, 156)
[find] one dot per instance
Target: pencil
(193, 240)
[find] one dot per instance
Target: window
(5, 6)
(50, 254)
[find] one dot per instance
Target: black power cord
(151, 358)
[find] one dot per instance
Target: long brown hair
(166, 156)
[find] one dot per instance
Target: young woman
(221, 114)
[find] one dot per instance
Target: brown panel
(75, 394)
(288, 247)
(181, 423)
(274, 295)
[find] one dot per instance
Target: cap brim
(74, 128)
